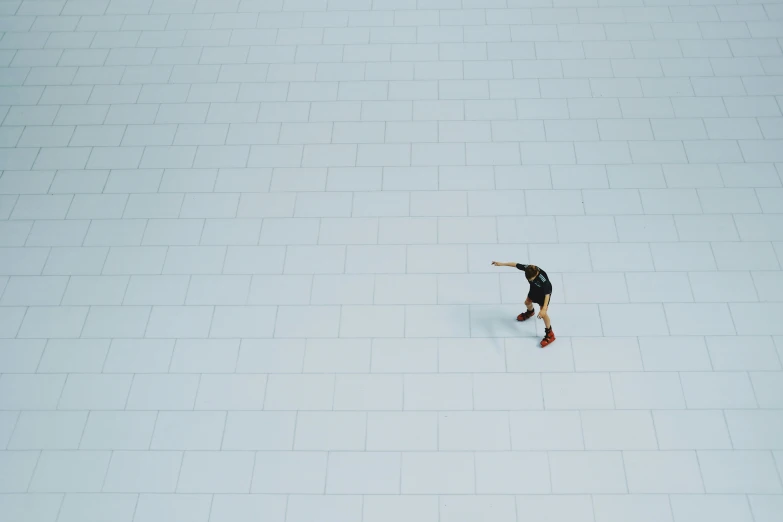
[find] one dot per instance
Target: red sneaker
(524, 316)
(549, 338)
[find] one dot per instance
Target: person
(540, 293)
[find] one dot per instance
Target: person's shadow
(499, 322)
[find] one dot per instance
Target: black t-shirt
(541, 285)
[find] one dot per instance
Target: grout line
(671, 506)
(625, 473)
(223, 433)
(62, 503)
(179, 470)
(655, 430)
(750, 508)
(13, 429)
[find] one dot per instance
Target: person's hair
(531, 271)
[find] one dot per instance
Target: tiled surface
(245, 255)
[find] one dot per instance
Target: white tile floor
(245, 255)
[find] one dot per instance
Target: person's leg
(549, 335)
(524, 316)
(547, 322)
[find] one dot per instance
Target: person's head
(531, 272)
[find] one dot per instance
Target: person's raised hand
(495, 263)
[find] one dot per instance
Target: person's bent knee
(528, 302)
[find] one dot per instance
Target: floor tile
(758, 318)
(188, 430)
(325, 321)
(243, 508)
(368, 392)
(375, 321)
(363, 472)
(179, 507)
(759, 354)
(402, 431)
(647, 390)
(611, 508)
(477, 430)
(37, 507)
(179, 321)
(143, 472)
(765, 507)
(470, 355)
(92, 506)
(546, 430)
(295, 392)
(654, 287)
(564, 391)
(507, 392)
(296, 472)
(717, 390)
(156, 290)
(438, 473)
(717, 507)
(523, 356)
(337, 507)
(438, 392)
(8, 421)
(139, 356)
(116, 321)
(70, 472)
(401, 289)
(767, 387)
(437, 321)
(606, 354)
(121, 430)
(676, 353)
(738, 472)
(512, 472)
(246, 430)
(51, 430)
(216, 471)
(755, 429)
(404, 356)
(204, 356)
(663, 472)
(721, 287)
(593, 472)
(30, 392)
(169, 392)
(702, 319)
(243, 321)
(271, 355)
(230, 392)
(384, 508)
(539, 508)
(330, 431)
(22, 465)
(49, 321)
(22, 355)
(618, 430)
(691, 429)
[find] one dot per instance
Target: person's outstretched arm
(511, 264)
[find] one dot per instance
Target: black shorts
(539, 298)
